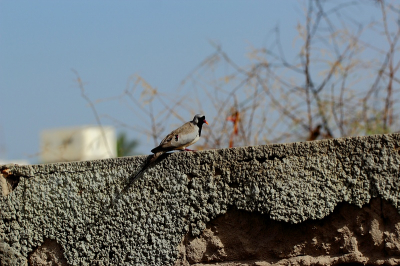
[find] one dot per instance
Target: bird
(315, 133)
(182, 137)
(179, 139)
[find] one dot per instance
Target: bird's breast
(186, 140)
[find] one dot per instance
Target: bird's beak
(205, 122)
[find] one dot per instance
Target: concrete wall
(327, 202)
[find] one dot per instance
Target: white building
(77, 144)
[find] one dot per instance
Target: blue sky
(106, 42)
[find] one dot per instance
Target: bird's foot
(190, 150)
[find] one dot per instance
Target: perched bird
(182, 137)
(315, 133)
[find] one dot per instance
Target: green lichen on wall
(83, 207)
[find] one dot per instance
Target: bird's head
(199, 120)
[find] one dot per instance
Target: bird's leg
(189, 150)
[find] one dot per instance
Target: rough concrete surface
(349, 235)
(281, 204)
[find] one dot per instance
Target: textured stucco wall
(81, 205)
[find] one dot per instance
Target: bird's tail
(151, 159)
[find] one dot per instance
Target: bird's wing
(179, 138)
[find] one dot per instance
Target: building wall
(326, 202)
